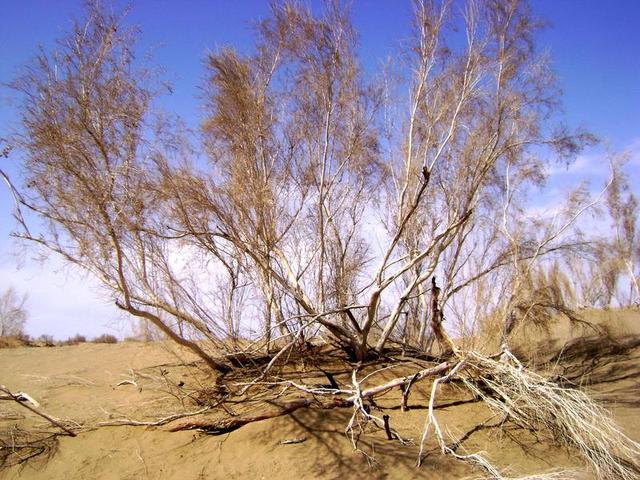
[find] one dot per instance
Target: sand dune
(80, 383)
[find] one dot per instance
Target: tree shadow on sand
(328, 451)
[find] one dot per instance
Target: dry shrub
(105, 338)
(45, 341)
(572, 418)
(13, 342)
(75, 340)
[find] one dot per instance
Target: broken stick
(20, 399)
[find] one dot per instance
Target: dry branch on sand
(18, 445)
(21, 398)
(154, 423)
(567, 416)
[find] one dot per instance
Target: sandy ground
(80, 383)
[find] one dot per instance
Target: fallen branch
(293, 441)
(362, 416)
(19, 399)
(422, 374)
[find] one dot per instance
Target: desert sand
(90, 384)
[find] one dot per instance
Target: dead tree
(298, 149)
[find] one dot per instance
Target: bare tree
(331, 208)
(295, 146)
(88, 172)
(624, 248)
(13, 313)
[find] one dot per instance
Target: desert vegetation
(24, 340)
(13, 313)
(323, 220)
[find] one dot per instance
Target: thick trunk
(446, 345)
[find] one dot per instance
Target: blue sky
(594, 46)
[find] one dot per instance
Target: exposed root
(162, 421)
(362, 416)
(354, 398)
(226, 425)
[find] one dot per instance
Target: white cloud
(586, 166)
